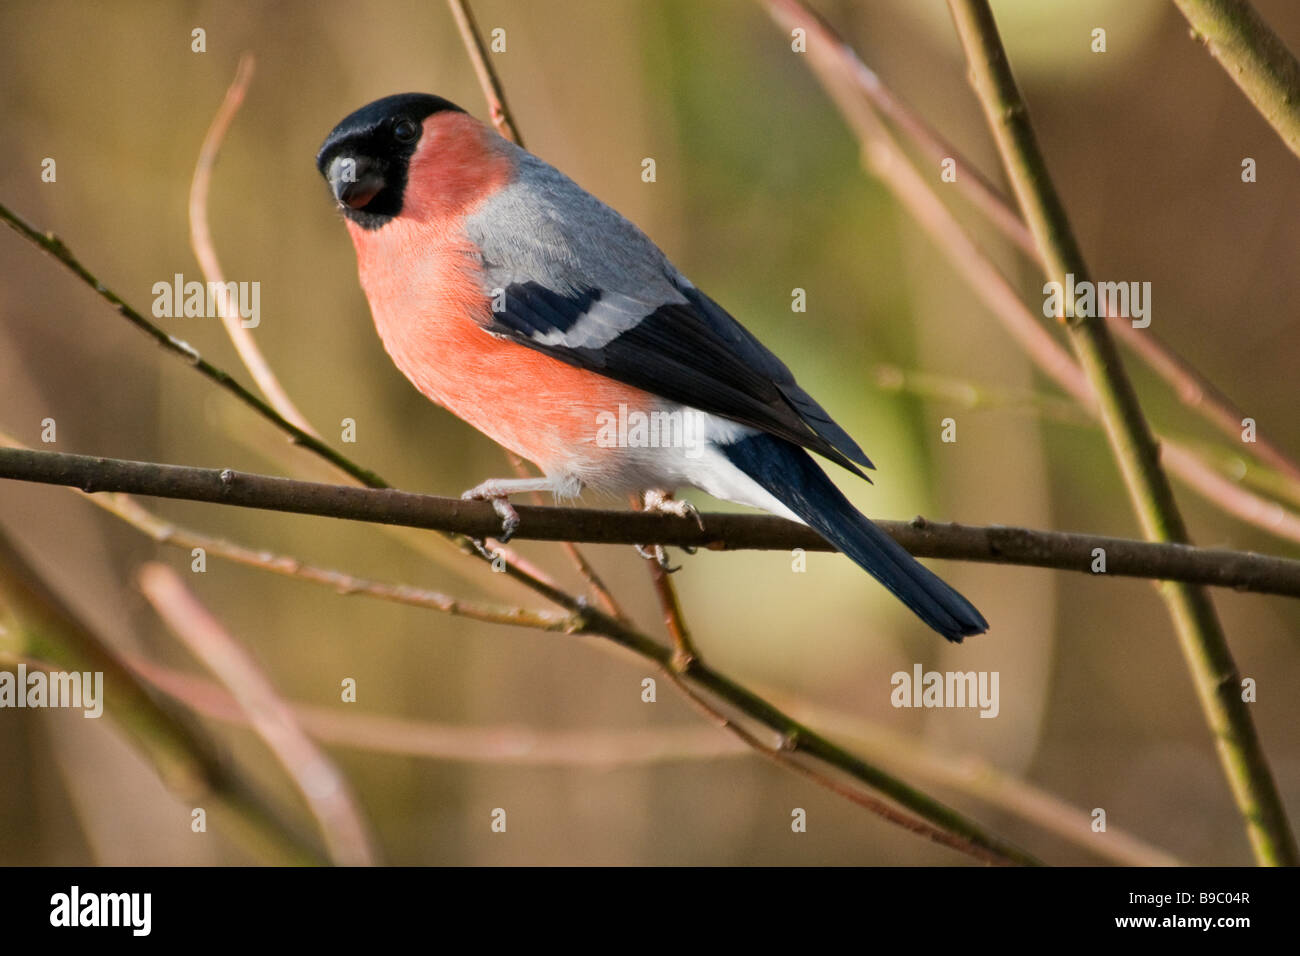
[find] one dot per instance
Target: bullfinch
(527, 307)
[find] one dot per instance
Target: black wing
(692, 352)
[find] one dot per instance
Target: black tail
(791, 475)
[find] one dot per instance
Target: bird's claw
(658, 555)
(500, 504)
(665, 503)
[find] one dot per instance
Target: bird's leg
(664, 503)
(498, 491)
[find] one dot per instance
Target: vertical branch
(1201, 635)
(683, 647)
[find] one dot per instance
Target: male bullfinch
(521, 303)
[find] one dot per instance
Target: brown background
(758, 192)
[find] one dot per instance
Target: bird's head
(380, 159)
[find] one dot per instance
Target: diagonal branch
(487, 77)
(317, 778)
(55, 247)
(1254, 57)
(44, 628)
(1203, 642)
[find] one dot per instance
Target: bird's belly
(554, 414)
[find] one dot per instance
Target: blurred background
(758, 191)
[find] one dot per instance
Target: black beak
(354, 180)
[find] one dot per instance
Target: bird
(524, 305)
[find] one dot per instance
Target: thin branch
(206, 253)
(1201, 395)
(1242, 571)
(670, 607)
(1254, 57)
(783, 751)
(979, 395)
(1227, 472)
(321, 784)
(487, 77)
(341, 582)
(836, 66)
(44, 628)
(168, 532)
(1201, 635)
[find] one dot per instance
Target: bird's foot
(657, 554)
(493, 491)
(664, 503)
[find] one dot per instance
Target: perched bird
(521, 303)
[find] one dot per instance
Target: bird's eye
(405, 131)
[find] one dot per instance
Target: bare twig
(1242, 571)
(322, 786)
(206, 253)
(487, 77)
(1203, 642)
(670, 607)
(55, 247)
